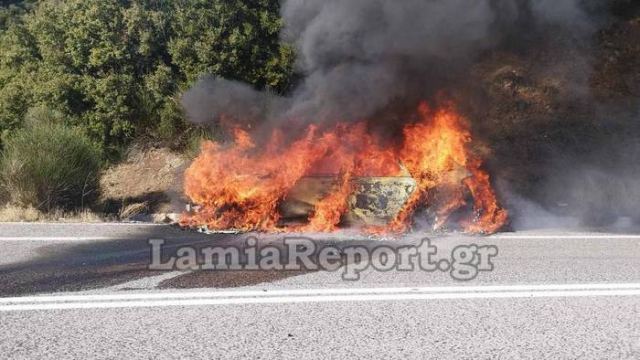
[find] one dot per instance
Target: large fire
(241, 186)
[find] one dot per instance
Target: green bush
(48, 165)
(116, 67)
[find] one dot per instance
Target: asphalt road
(85, 291)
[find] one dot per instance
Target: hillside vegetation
(114, 68)
(112, 71)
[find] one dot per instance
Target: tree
(233, 39)
(116, 67)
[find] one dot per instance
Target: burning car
(366, 182)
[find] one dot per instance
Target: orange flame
(241, 186)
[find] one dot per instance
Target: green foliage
(171, 121)
(233, 39)
(80, 78)
(115, 68)
(49, 165)
(12, 10)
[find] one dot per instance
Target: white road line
(80, 223)
(321, 291)
(59, 238)
(315, 299)
(315, 295)
(506, 237)
(560, 237)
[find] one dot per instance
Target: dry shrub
(50, 166)
(12, 213)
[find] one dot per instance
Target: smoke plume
(359, 57)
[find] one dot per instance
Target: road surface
(85, 291)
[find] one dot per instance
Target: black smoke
(360, 57)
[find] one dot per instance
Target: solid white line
(559, 237)
(321, 291)
(506, 237)
(80, 223)
(314, 295)
(59, 238)
(320, 299)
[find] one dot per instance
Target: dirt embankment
(147, 185)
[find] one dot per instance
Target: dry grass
(12, 213)
(146, 182)
(130, 211)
